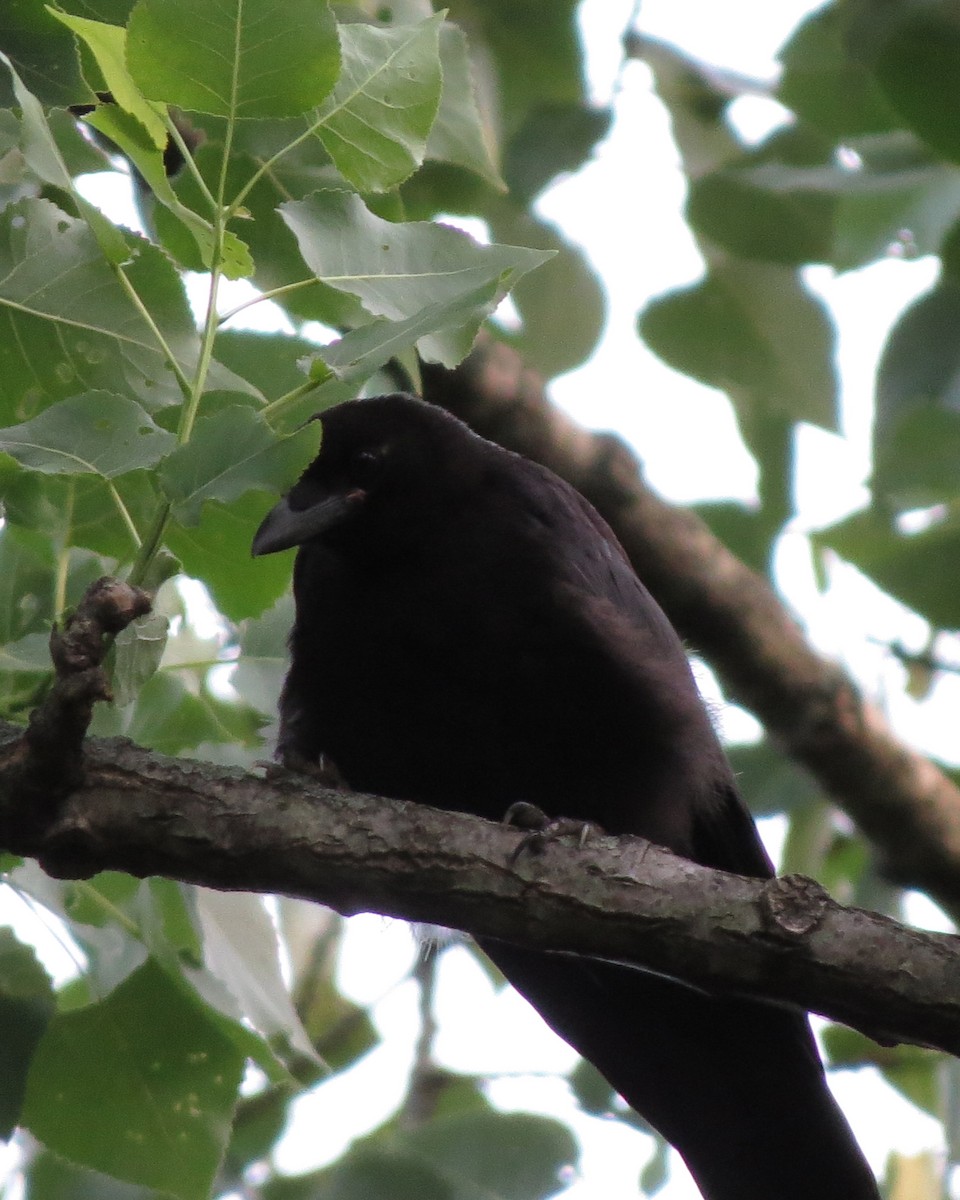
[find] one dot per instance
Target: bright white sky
(631, 196)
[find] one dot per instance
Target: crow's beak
(284, 527)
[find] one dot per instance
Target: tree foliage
(309, 149)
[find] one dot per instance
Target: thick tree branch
(907, 807)
(622, 899)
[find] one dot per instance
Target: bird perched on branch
(469, 634)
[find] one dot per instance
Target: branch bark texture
(906, 806)
(622, 899)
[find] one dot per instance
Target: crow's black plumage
(469, 634)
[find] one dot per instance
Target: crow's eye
(366, 466)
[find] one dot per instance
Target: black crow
(469, 634)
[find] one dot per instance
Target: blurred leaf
(48, 1177)
(744, 530)
(917, 400)
(232, 452)
(26, 1006)
(535, 48)
(98, 900)
(244, 58)
(169, 717)
(241, 950)
(916, 65)
(553, 139)
(26, 583)
(912, 1070)
(769, 781)
(918, 461)
(750, 329)
(376, 123)
(515, 1155)
(458, 134)
(398, 270)
(591, 1091)
(826, 85)
(141, 1086)
(96, 433)
(789, 214)
(562, 303)
(138, 649)
(917, 569)
(656, 1172)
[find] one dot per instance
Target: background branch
(621, 899)
(908, 808)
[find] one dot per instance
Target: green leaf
(27, 1004)
(827, 85)
(536, 51)
(398, 270)
(48, 1177)
(458, 134)
(72, 327)
(918, 569)
(243, 58)
(918, 459)
(376, 124)
(43, 157)
(771, 782)
(141, 1086)
(171, 717)
(217, 550)
(96, 433)
(354, 357)
(490, 1153)
(230, 453)
(795, 214)
(914, 1071)
(44, 55)
(26, 583)
(553, 139)
(28, 655)
(108, 45)
(750, 328)
(917, 65)
(82, 510)
(562, 304)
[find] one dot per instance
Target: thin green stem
(63, 558)
(191, 166)
(144, 312)
(274, 292)
(124, 513)
(264, 167)
(151, 543)
(98, 898)
(276, 407)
